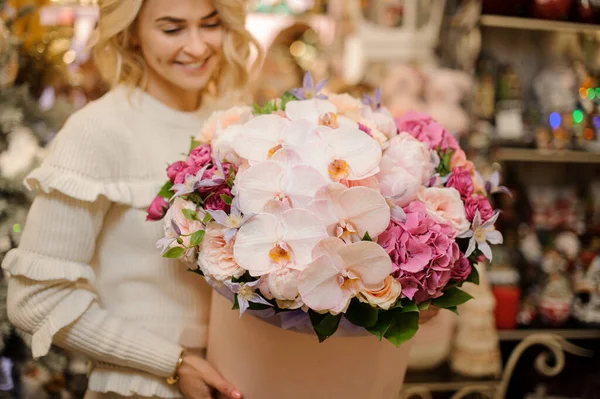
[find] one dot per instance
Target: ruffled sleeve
(51, 291)
(90, 158)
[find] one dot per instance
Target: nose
(195, 44)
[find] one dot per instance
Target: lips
(192, 66)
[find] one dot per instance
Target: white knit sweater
(87, 275)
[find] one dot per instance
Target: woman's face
(180, 41)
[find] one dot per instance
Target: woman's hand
(426, 315)
(197, 378)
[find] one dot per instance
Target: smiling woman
(86, 276)
(199, 47)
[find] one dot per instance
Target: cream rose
(216, 255)
(445, 205)
(384, 297)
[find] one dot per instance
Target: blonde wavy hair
(118, 63)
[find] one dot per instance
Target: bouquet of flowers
(325, 208)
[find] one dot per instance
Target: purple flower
(375, 101)
(493, 186)
(308, 89)
(481, 234)
(233, 221)
(191, 184)
(246, 293)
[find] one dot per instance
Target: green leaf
(230, 178)
(367, 237)
(409, 307)
(361, 314)
(325, 325)
(424, 305)
(226, 199)
(174, 253)
(236, 304)
(398, 304)
(190, 214)
(207, 218)
(194, 144)
(403, 327)
(384, 320)
(197, 238)
(286, 98)
(165, 191)
(258, 306)
(453, 309)
(452, 297)
(473, 276)
(197, 271)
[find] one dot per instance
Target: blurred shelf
(442, 379)
(569, 333)
(532, 155)
(498, 21)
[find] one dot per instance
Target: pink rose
(461, 269)
(175, 169)
(216, 258)
(409, 153)
(461, 180)
(221, 120)
(157, 209)
(200, 156)
(425, 129)
(459, 160)
(281, 284)
(422, 251)
(215, 202)
(478, 203)
(188, 170)
(445, 205)
(214, 171)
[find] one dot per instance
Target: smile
(192, 66)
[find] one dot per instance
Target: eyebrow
(179, 20)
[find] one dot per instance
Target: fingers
(213, 378)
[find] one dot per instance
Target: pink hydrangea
(462, 181)
(200, 156)
(423, 252)
(478, 203)
(425, 129)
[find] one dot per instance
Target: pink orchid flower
(282, 178)
(339, 272)
(349, 213)
(341, 154)
(277, 237)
